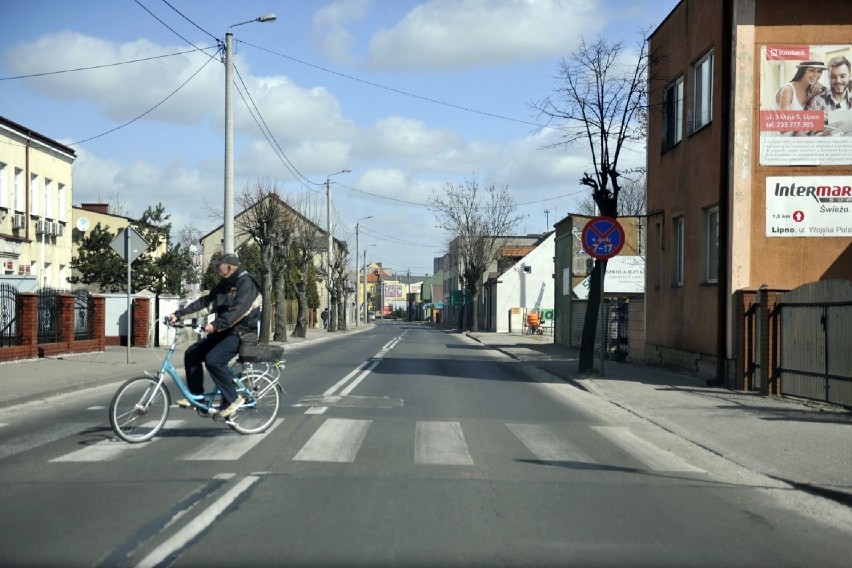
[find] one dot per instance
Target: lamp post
(228, 240)
(358, 273)
(328, 230)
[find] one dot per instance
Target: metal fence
(8, 316)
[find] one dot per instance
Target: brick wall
(27, 326)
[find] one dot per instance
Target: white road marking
(440, 443)
(547, 446)
(356, 375)
(198, 524)
(107, 450)
(653, 456)
(41, 437)
(229, 448)
(337, 440)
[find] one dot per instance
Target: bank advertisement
(805, 105)
(624, 275)
(809, 206)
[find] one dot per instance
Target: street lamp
(228, 241)
(358, 273)
(328, 230)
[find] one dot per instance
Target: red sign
(603, 238)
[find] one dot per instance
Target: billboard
(805, 115)
(809, 206)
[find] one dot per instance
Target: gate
(815, 354)
(49, 315)
(8, 315)
(84, 305)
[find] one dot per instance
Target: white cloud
(456, 34)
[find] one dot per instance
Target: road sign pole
(602, 316)
(129, 315)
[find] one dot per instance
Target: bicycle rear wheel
(255, 418)
(139, 409)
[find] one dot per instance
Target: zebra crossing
(429, 443)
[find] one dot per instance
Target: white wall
(528, 290)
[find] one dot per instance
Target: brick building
(745, 188)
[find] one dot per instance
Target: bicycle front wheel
(258, 414)
(139, 409)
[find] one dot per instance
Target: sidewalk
(808, 445)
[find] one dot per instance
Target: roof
(24, 131)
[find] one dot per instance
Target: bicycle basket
(261, 352)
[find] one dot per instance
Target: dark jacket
(233, 300)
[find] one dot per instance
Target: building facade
(747, 185)
(35, 205)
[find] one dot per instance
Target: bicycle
(140, 407)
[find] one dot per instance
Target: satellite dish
(82, 224)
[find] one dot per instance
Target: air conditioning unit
(41, 227)
(51, 228)
(19, 221)
(58, 229)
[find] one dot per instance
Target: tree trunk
(301, 327)
(590, 322)
(341, 313)
(473, 324)
(280, 308)
(332, 312)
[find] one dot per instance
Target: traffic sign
(130, 248)
(603, 238)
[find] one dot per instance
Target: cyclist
(236, 302)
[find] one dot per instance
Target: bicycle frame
(204, 402)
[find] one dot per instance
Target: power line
(401, 92)
(170, 95)
(33, 75)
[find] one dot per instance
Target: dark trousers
(215, 351)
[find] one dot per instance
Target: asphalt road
(400, 446)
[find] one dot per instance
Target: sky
(408, 95)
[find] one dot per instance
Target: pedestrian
(324, 316)
(236, 302)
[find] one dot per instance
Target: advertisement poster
(805, 105)
(809, 206)
(624, 275)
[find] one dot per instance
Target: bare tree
(307, 240)
(117, 205)
(477, 222)
(600, 99)
(267, 221)
(340, 293)
(632, 198)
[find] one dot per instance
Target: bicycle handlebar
(199, 329)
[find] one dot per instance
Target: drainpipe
(725, 153)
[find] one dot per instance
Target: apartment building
(749, 173)
(35, 205)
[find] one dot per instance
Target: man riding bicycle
(236, 302)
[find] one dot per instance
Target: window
(702, 92)
(34, 191)
(20, 201)
(4, 186)
(677, 251)
(48, 198)
(710, 236)
(673, 114)
(658, 237)
(63, 203)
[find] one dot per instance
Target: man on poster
(837, 101)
